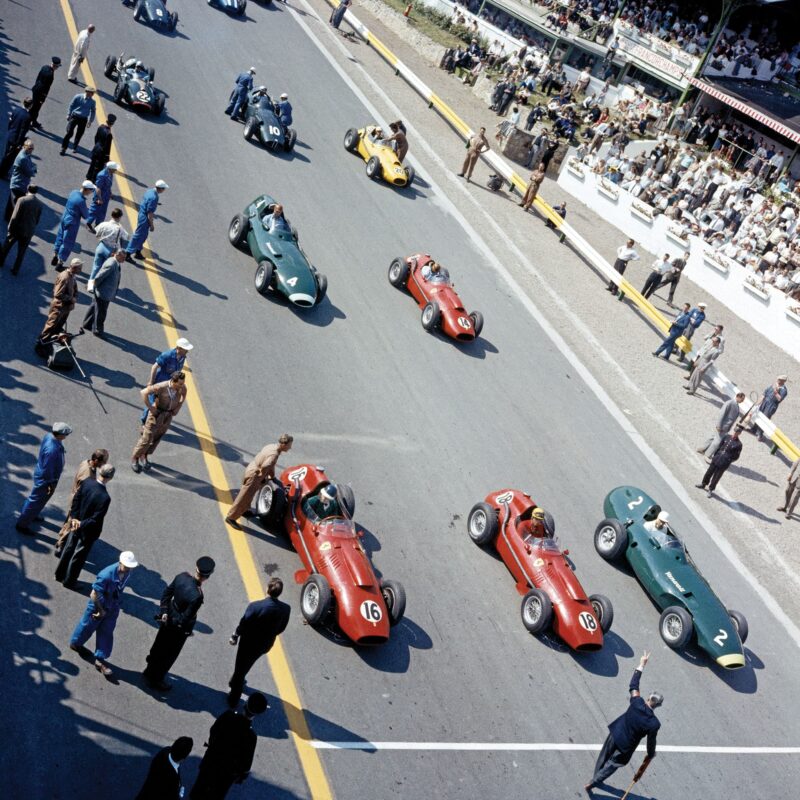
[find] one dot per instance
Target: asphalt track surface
(421, 428)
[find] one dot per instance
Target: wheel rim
(673, 627)
(477, 524)
(235, 227)
(427, 315)
(533, 610)
(265, 500)
(311, 598)
(606, 539)
(388, 598)
(598, 611)
(261, 276)
(394, 271)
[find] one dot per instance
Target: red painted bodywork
(333, 549)
(456, 322)
(541, 564)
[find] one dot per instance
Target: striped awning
(760, 116)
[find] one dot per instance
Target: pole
(637, 776)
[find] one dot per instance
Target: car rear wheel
(250, 127)
(237, 230)
(351, 140)
(322, 287)
(482, 524)
(536, 611)
(611, 539)
(152, 73)
(316, 599)
(398, 272)
(240, 11)
(263, 278)
(676, 626)
(374, 168)
(603, 610)
(394, 595)
(270, 502)
(347, 498)
(431, 315)
(477, 322)
(410, 175)
(111, 66)
(119, 91)
(739, 620)
(158, 109)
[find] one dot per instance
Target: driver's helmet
(434, 266)
(545, 518)
(329, 492)
(262, 90)
(139, 66)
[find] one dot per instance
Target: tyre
(270, 502)
(158, 109)
(173, 22)
(374, 168)
(351, 140)
(315, 599)
(410, 175)
(742, 628)
(152, 73)
(322, 287)
(347, 498)
(110, 67)
(482, 524)
(536, 611)
(394, 595)
(263, 277)
(237, 230)
(398, 273)
(138, 12)
(611, 539)
(675, 626)
(603, 610)
(289, 140)
(431, 315)
(477, 322)
(250, 127)
(241, 11)
(119, 91)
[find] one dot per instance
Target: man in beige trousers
(257, 473)
(79, 53)
(475, 146)
(792, 490)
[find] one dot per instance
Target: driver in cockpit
(540, 526)
(434, 272)
(659, 526)
(323, 505)
(276, 221)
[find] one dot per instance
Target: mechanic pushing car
(238, 99)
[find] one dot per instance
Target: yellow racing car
(382, 161)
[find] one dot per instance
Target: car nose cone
(299, 299)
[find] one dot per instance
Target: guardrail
(501, 167)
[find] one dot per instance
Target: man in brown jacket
(792, 490)
(22, 226)
(65, 293)
(257, 473)
(475, 146)
(164, 400)
(533, 187)
(87, 469)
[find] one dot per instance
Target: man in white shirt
(660, 268)
(111, 236)
(625, 253)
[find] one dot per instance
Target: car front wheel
(477, 322)
(431, 315)
(603, 610)
(374, 168)
(675, 626)
(316, 599)
(610, 539)
(394, 595)
(398, 272)
(351, 140)
(482, 524)
(536, 611)
(739, 620)
(322, 287)
(263, 278)
(410, 175)
(250, 127)
(158, 109)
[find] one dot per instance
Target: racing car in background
(382, 161)
(552, 596)
(338, 580)
(153, 12)
(659, 559)
(236, 7)
(441, 306)
(263, 124)
(134, 84)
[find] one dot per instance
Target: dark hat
(55, 60)
(181, 748)
(205, 566)
(256, 704)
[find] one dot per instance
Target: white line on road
(548, 746)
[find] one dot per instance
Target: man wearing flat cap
(75, 210)
(41, 88)
(180, 603)
(49, 467)
(80, 115)
(100, 617)
(65, 293)
(231, 748)
(164, 780)
(773, 396)
(168, 362)
(145, 222)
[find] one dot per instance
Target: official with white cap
(102, 195)
(284, 109)
(75, 210)
(145, 222)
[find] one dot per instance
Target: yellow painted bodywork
(392, 171)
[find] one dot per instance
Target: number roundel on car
(505, 497)
(142, 95)
(298, 474)
(587, 621)
(465, 323)
(371, 611)
(274, 130)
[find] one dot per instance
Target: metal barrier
(501, 167)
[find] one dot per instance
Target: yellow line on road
(284, 680)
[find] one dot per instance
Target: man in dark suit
(88, 510)
(163, 780)
(21, 227)
(729, 450)
(101, 152)
(19, 122)
(263, 621)
(41, 88)
(627, 730)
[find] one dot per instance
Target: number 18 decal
(371, 611)
(587, 621)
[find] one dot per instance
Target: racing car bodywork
(552, 594)
(262, 123)
(382, 161)
(236, 7)
(282, 265)
(338, 580)
(153, 12)
(660, 561)
(441, 306)
(134, 87)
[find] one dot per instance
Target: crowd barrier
(502, 168)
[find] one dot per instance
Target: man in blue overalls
(145, 222)
(238, 98)
(284, 111)
(102, 195)
(45, 477)
(102, 611)
(74, 211)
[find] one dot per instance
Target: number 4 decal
(292, 282)
(721, 638)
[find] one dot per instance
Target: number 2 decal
(639, 500)
(721, 638)
(371, 611)
(587, 621)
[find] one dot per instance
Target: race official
(41, 88)
(65, 293)
(263, 621)
(475, 146)
(164, 400)
(49, 466)
(625, 253)
(627, 730)
(79, 53)
(80, 115)
(256, 474)
(145, 222)
(86, 469)
(231, 748)
(22, 172)
(19, 122)
(676, 330)
(729, 450)
(243, 85)
(792, 490)
(532, 189)
(728, 415)
(164, 780)
(180, 603)
(101, 152)
(104, 290)
(166, 363)
(708, 354)
(21, 227)
(102, 195)
(284, 110)
(659, 269)
(74, 211)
